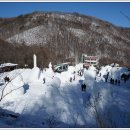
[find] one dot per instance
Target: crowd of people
(115, 81)
(125, 77)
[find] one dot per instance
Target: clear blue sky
(109, 11)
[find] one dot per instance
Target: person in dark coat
(80, 73)
(70, 79)
(116, 82)
(106, 79)
(44, 80)
(107, 76)
(74, 77)
(111, 80)
(119, 82)
(125, 78)
(84, 87)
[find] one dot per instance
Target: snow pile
(56, 82)
(89, 76)
(116, 72)
(92, 68)
(78, 67)
(25, 75)
(34, 75)
(71, 69)
(104, 70)
(64, 76)
(47, 74)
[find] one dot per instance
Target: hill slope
(66, 35)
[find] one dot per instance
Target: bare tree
(2, 96)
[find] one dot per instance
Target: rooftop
(7, 64)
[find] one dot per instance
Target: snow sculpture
(34, 75)
(92, 68)
(71, 69)
(34, 60)
(49, 71)
(79, 67)
(50, 65)
(35, 72)
(56, 82)
(89, 76)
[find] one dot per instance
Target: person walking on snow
(119, 82)
(70, 79)
(116, 82)
(43, 80)
(107, 76)
(74, 77)
(83, 87)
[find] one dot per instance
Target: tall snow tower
(35, 60)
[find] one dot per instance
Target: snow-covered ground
(61, 103)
